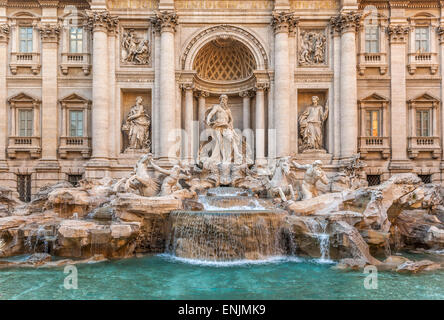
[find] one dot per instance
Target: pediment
(23, 98)
(74, 98)
(374, 98)
(424, 98)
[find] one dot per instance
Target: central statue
(225, 144)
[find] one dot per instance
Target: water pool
(164, 277)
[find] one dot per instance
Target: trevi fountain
(170, 232)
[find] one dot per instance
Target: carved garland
(4, 32)
(224, 28)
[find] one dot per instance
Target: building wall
(51, 85)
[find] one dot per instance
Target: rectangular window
(373, 179)
(25, 122)
(425, 178)
(75, 39)
(371, 39)
(74, 179)
(373, 120)
(76, 123)
(24, 187)
(25, 39)
(423, 123)
(422, 39)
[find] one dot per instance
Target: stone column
(155, 101)
(201, 109)
(188, 121)
(347, 23)
(282, 22)
(167, 22)
(49, 59)
(260, 123)
(4, 37)
(336, 112)
(246, 100)
(100, 21)
(399, 118)
(113, 130)
(440, 32)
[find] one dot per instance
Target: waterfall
(318, 228)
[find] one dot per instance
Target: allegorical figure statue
(311, 123)
(171, 183)
(138, 126)
(225, 141)
(313, 174)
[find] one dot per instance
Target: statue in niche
(137, 126)
(312, 48)
(225, 141)
(135, 50)
(311, 123)
(313, 174)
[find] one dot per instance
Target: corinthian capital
(101, 20)
(284, 21)
(346, 21)
(4, 32)
(440, 32)
(165, 21)
(398, 32)
(49, 32)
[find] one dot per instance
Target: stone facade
(72, 70)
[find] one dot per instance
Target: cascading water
(318, 229)
(232, 226)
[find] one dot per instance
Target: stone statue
(311, 124)
(140, 180)
(224, 139)
(280, 182)
(313, 174)
(137, 126)
(312, 48)
(135, 50)
(170, 184)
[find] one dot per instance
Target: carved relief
(313, 48)
(398, 33)
(49, 32)
(136, 49)
(137, 126)
(4, 31)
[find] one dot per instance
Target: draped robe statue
(311, 123)
(138, 127)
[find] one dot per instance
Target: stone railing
(24, 144)
(423, 60)
(76, 60)
(75, 144)
(25, 60)
(424, 144)
(374, 144)
(372, 60)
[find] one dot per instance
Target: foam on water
(242, 262)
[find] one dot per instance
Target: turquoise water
(163, 277)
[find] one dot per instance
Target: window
(372, 39)
(425, 178)
(423, 123)
(24, 187)
(25, 39)
(75, 39)
(74, 179)
(373, 179)
(76, 123)
(373, 120)
(422, 39)
(25, 122)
